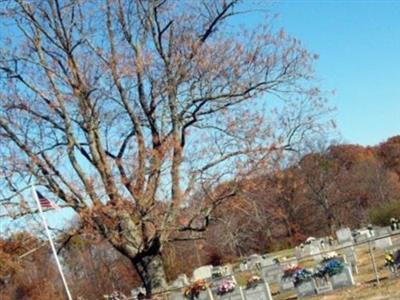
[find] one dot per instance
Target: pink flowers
(226, 286)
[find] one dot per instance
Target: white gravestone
(322, 285)
(204, 272)
(180, 282)
(286, 285)
(344, 235)
(243, 266)
(254, 261)
(385, 242)
(259, 292)
(234, 295)
(136, 291)
(177, 295)
(343, 279)
(272, 273)
(314, 252)
(306, 289)
(289, 262)
(350, 255)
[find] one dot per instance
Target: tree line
(342, 185)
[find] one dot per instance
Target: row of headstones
(380, 235)
(320, 285)
(314, 248)
(260, 292)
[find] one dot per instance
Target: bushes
(381, 215)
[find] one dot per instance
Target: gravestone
(259, 292)
(234, 295)
(289, 262)
(344, 235)
(362, 237)
(286, 285)
(350, 255)
(299, 252)
(267, 261)
(203, 272)
(272, 273)
(243, 266)
(314, 252)
(306, 289)
(343, 279)
(136, 291)
(254, 262)
(180, 282)
(383, 243)
(322, 286)
(217, 272)
(227, 270)
(176, 295)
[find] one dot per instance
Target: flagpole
(51, 242)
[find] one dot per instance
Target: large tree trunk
(151, 271)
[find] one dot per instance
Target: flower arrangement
(195, 289)
(226, 286)
(289, 272)
(252, 282)
(297, 274)
(389, 259)
(302, 275)
(329, 267)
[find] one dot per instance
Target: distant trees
(274, 210)
(93, 269)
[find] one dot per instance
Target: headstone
(180, 282)
(344, 235)
(254, 261)
(267, 261)
(217, 272)
(383, 243)
(289, 262)
(362, 237)
(136, 291)
(343, 279)
(272, 273)
(259, 292)
(203, 272)
(314, 252)
(323, 286)
(306, 289)
(234, 295)
(176, 295)
(349, 252)
(286, 285)
(299, 252)
(227, 270)
(350, 255)
(243, 266)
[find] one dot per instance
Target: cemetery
(309, 270)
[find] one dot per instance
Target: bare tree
(126, 111)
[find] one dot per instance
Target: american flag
(44, 202)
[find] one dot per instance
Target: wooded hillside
(344, 185)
